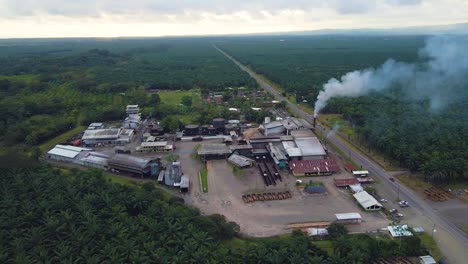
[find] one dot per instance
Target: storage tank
(211, 131)
(191, 130)
(204, 129)
(218, 123)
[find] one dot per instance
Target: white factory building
(285, 126)
(107, 136)
(65, 153)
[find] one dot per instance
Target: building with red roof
(313, 167)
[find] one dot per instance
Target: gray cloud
(92, 8)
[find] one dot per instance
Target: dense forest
(48, 87)
(431, 142)
(57, 216)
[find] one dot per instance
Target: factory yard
(267, 218)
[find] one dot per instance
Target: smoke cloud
(443, 70)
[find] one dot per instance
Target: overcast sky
(112, 18)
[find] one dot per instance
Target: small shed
(348, 218)
(399, 230)
(361, 173)
(241, 161)
(427, 260)
(315, 189)
(184, 183)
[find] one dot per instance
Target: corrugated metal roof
(366, 200)
(240, 161)
(310, 146)
(345, 182)
(216, 149)
(348, 216)
(313, 166)
(66, 151)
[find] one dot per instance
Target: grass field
(22, 77)
(60, 138)
(204, 179)
(431, 246)
(174, 97)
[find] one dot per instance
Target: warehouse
(109, 136)
(93, 160)
(134, 165)
(158, 146)
(213, 151)
(367, 201)
(348, 218)
(313, 167)
(65, 153)
(272, 128)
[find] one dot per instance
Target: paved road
(415, 201)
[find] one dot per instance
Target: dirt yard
(266, 218)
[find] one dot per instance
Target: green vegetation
(61, 138)
(59, 85)
(431, 246)
(204, 179)
(410, 133)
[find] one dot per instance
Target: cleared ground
(266, 218)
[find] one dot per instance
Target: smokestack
(315, 122)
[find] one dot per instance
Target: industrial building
(304, 148)
(173, 174)
(213, 151)
(285, 126)
(133, 165)
(107, 136)
(348, 218)
(157, 146)
(313, 167)
(367, 201)
(93, 160)
(277, 155)
(65, 153)
(132, 109)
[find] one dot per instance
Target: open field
(173, 97)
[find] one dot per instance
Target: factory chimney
(315, 122)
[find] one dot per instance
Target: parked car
(383, 200)
(393, 211)
(403, 203)
(392, 179)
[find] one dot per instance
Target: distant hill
(458, 29)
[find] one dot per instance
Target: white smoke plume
(443, 70)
